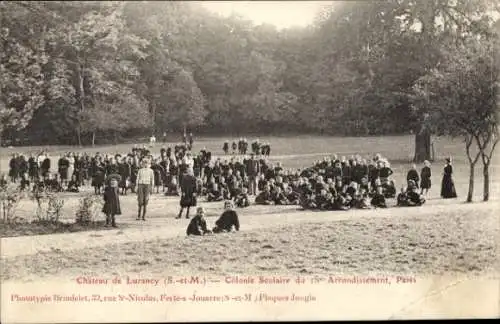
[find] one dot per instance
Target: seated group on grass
(332, 184)
(353, 183)
(226, 222)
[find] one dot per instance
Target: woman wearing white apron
(71, 167)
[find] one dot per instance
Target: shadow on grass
(43, 227)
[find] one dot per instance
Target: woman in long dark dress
(447, 185)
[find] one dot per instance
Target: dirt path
(163, 228)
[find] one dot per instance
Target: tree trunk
(471, 183)
(153, 118)
(422, 147)
(486, 179)
(78, 134)
(93, 139)
(81, 103)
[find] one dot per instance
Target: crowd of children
(338, 184)
(334, 183)
(331, 184)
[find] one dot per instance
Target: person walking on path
(144, 185)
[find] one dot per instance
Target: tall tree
(183, 104)
(462, 97)
(22, 57)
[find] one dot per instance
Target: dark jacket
(378, 200)
(188, 185)
(197, 226)
(413, 175)
(226, 221)
(111, 201)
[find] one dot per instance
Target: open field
(302, 151)
(432, 240)
(443, 236)
(310, 148)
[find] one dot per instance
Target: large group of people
(334, 183)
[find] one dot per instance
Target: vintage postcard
(179, 161)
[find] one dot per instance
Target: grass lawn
(423, 241)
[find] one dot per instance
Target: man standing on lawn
(253, 172)
(144, 186)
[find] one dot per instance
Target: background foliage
(91, 71)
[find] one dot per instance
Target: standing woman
(71, 165)
(425, 178)
(447, 185)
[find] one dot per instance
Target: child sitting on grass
(402, 197)
(111, 201)
(378, 199)
(265, 197)
(198, 225)
(73, 185)
(51, 183)
(242, 200)
(411, 197)
(227, 220)
(3, 181)
(172, 188)
(25, 181)
(215, 194)
(292, 196)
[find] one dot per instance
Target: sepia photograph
(181, 161)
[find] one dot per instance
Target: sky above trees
(282, 14)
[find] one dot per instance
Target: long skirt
(425, 183)
(188, 200)
(448, 188)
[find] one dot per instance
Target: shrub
(89, 209)
(49, 204)
(10, 196)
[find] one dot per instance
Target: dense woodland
(85, 72)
